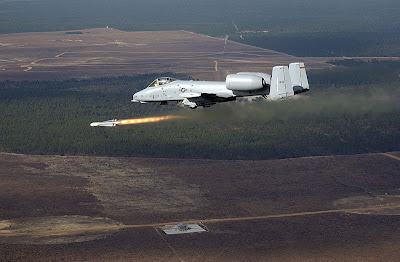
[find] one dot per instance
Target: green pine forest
(352, 108)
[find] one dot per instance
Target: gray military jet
(285, 81)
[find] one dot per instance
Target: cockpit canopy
(161, 81)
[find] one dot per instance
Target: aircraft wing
(207, 95)
(206, 99)
(190, 95)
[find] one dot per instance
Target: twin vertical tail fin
(281, 83)
(298, 76)
(288, 81)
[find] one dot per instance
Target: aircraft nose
(135, 97)
(138, 96)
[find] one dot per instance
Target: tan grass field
(109, 52)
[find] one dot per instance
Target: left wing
(190, 95)
(204, 99)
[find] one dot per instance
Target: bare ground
(110, 52)
(75, 198)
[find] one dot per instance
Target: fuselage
(178, 90)
(285, 81)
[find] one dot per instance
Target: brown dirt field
(73, 198)
(110, 52)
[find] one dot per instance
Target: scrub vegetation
(350, 109)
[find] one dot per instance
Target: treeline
(54, 117)
(328, 44)
(208, 17)
(353, 72)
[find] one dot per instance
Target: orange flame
(146, 120)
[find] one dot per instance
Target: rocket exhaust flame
(115, 122)
(146, 120)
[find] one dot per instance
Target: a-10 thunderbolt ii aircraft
(285, 81)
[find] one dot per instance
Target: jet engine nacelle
(244, 82)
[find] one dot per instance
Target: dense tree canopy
(342, 114)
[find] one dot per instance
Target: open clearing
(110, 209)
(109, 52)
